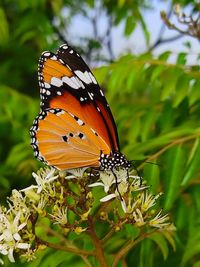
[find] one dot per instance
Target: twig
(64, 248)
(129, 245)
(99, 249)
(107, 236)
(160, 39)
(173, 143)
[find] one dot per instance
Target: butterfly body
(75, 127)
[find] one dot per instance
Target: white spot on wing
(54, 57)
(46, 54)
(80, 83)
(70, 82)
(90, 95)
(60, 113)
(56, 82)
(75, 81)
(101, 92)
(83, 76)
(61, 61)
(47, 85)
(64, 46)
(80, 122)
(92, 77)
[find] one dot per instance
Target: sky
(80, 27)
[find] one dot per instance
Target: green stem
(64, 248)
(129, 245)
(107, 236)
(67, 244)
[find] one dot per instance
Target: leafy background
(156, 105)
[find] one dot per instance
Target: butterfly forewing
(66, 72)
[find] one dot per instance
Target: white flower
(42, 202)
(10, 238)
(122, 187)
(108, 197)
(76, 173)
(138, 217)
(60, 215)
(137, 184)
(160, 221)
(30, 255)
(107, 179)
(17, 203)
(43, 179)
(148, 200)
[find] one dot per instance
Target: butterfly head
(114, 160)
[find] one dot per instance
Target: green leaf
(164, 56)
(157, 72)
(131, 231)
(170, 78)
(192, 247)
(170, 239)
(147, 121)
(130, 25)
(181, 89)
(145, 29)
(194, 94)
(146, 256)
(152, 175)
(161, 242)
(181, 59)
(4, 28)
(193, 165)
(176, 163)
(197, 264)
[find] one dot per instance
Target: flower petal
(108, 197)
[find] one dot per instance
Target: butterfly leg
(116, 184)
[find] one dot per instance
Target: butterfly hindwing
(61, 139)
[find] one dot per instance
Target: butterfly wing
(64, 141)
(66, 82)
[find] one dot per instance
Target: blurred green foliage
(156, 106)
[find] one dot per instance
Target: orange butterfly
(75, 127)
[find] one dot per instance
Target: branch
(160, 39)
(189, 21)
(126, 248)
(166, 40)
(64, 248)
(109, 39)
(173, 143)
(99, 249)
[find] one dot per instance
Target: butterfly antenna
(153, 163)
(138, 173)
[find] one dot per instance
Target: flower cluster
(72, 202)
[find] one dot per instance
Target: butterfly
(75, 127)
